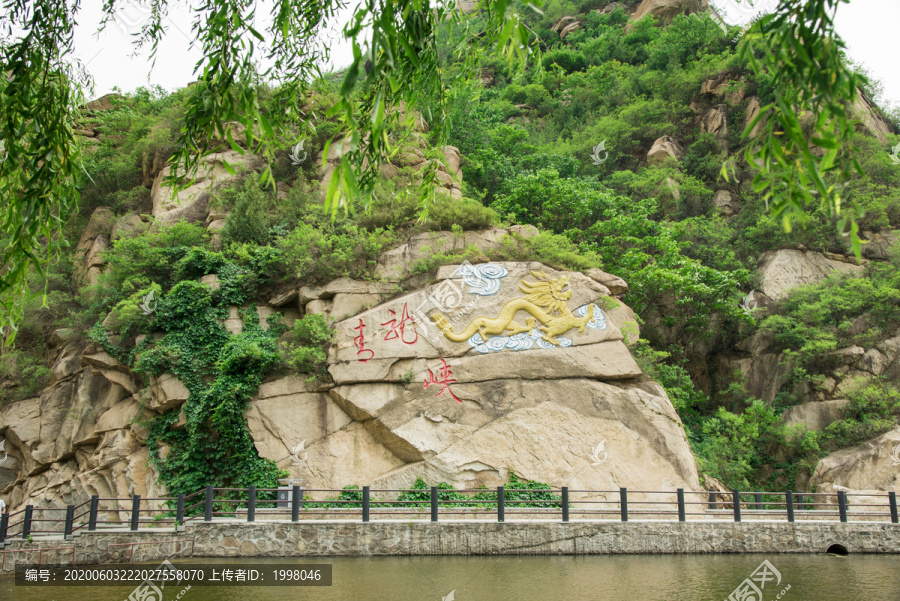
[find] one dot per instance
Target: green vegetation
(516, 493)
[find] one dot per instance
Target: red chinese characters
(398, 330)
(360, 343)
(444, 378)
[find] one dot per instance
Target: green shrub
(567, 58)
(313, 254)
(248, 220)
(307, 349)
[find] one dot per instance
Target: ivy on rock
(222, 372)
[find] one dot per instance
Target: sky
(867, 26)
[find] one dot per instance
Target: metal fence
(281, 504)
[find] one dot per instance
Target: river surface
(542, 578)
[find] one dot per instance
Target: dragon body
(545, 300)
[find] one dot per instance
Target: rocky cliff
(487, 369)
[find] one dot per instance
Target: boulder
(816, 416)
(614, 284)
(563, 22)
(191, 203)
(881, 245)
(781, 271)
(167, 391)
(765, 374)
(570, 28)
(663, 149)
(211, 280)
(666, 10)
(234, 324)
(289, 316)
(726, 203)
(104, 103)
(127, 226)
(715, 121)
(873, 465)
(93, 242)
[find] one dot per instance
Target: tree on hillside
(42, 90)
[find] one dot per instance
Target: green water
(620, 578)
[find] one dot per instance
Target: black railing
(503, 504)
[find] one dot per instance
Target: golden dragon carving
(544, 299)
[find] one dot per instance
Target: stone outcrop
(77, 439)
(753, 108)
(869, 115)
(727, 86)
(381, 421)
(816, 416)
(715, 121)
(781, 271)
(566, 25)
(191, 204)
(666, 10)
(726, 203)
(408, 401)
(663, 149)
(880, 245)
(872, 466)
(412, 155)
(93, 242)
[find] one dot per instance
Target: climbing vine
(222, 372)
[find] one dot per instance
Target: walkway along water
(228, 522)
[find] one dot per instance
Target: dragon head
(547, 292)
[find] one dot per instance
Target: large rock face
(495, 367)
(486, 369)
(781, 271)
(76, 440)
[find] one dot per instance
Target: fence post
(208, 508)
(295, 503)
(736, 500)
(70, 521)
(366, 504)
(758, 497)
(565, 503)
(26, 524)
(789, 496)
(251, 503)
(623, 503)
(135, 511)
(4, 526)
(434, 503)
(712, 499)
(842, 505)
(800, 501)
(681, 516)
(892, 500)
(179, 512)
(92, 516)
(501, 505)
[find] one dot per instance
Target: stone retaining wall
(285, 539)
